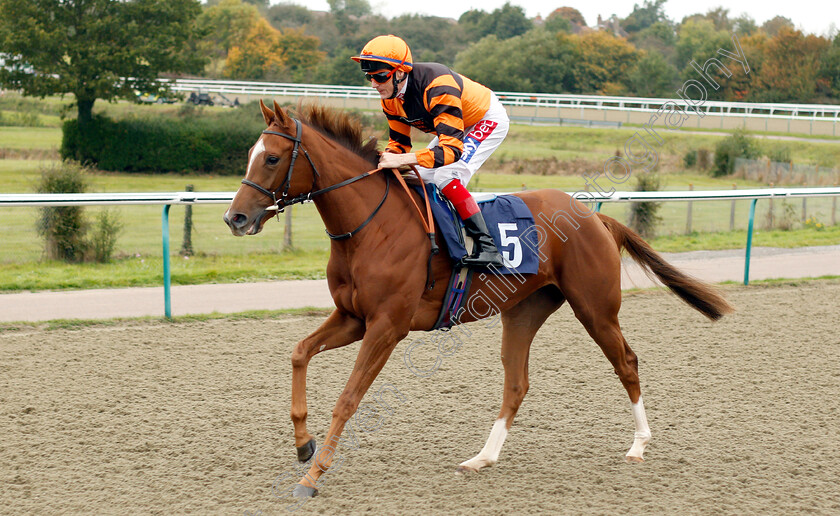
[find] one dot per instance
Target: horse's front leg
(340, 329)
(381, 337)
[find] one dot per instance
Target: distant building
(611, 24)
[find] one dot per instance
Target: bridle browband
(280, 204)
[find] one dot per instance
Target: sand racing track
(193, 417)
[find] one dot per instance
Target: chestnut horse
(377, 272)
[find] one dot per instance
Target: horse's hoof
(463, 470)
(302, 491)
(633, 460)
(306, 451)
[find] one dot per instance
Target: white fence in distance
(544, 105)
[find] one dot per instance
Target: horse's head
(271, 177)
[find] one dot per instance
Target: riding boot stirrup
(485, 253)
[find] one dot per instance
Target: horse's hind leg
(596, 307)
(519, 326)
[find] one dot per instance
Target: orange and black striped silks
(440, 101)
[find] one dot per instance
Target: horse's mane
(340, 126)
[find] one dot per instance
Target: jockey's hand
(392, 160)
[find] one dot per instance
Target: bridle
(284, 198)
(280, 204)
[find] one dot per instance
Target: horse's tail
(704, 298)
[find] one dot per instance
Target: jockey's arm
(393, 160)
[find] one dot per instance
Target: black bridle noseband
(280, 204)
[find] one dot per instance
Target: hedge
(158, 145)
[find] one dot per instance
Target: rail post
(688, 216)
(732, 211)
(749, 242)
(167, 305)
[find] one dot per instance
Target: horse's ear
(281, 116)
(267, 114)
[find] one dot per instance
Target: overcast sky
(814, 16)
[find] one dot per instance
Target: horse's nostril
(236, 220)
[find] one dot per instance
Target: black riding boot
(484, 252)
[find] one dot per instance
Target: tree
(699, 41)
(255, 57)
(744, 25)
(791, 67)
(509, 21)
(644, 16)
(300, 52)
(557, 23)
(571, 14)
(652, 77)
(225, 25)
(340, 69)
(741, 86)
(349, 7)
(347, 13)
(603, 63)
(829, 74)
(430, 38)
(473, 23)
(659, 38)
(288, 15)
(505, 22)
(260, 4)
(269, 54)
(773, 26)
(95, 49)
(537, 61)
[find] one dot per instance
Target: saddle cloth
(510, 223)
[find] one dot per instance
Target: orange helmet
(388, 50)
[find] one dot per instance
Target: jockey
(468, 120)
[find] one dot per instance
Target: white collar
(401, 94)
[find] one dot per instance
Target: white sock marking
(490, 453)
(642, 435)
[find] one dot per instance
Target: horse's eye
(272, 160)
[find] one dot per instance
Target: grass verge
(148, 272)
(738, 240)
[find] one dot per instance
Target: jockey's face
(386, 89)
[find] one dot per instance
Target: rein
(427, 220)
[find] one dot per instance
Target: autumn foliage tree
(569, 13)
(244, 45)
(255, 56)
(791, 67)
(604, 62)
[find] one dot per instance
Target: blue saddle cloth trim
(521, 242)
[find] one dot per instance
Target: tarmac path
(711, 266)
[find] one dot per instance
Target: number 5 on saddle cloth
(511, 225)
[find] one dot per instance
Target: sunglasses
(380, 77)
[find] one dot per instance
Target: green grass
(145, 271)
(738, 239)
(41, 138)
(689, 130)
(41, 119)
